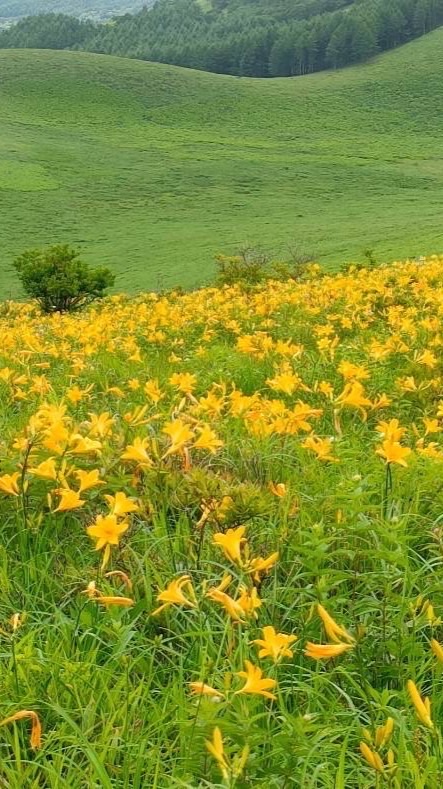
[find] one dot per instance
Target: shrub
(247, 268)
(59, 280)
(252, 266)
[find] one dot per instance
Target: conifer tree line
(256, 38)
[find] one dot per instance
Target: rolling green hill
(152, 169)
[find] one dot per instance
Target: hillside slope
(97, 8)
(153, 169)
(246, 38)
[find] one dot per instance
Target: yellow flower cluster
(219, 404)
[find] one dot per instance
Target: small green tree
(59, 280)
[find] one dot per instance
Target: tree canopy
(257, 38)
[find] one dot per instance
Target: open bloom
(106, 530)
(274, 645)
(88, 479)
(260, 566)
(231, 543)
(174, 595)
(180, 434)
(254, 683)
(69, 500)
(233, 607)
(46, 469)
(120, 504)
(393, 452)
(208, 440)
(9, 483)
(137, 452)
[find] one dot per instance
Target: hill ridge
(335, 162)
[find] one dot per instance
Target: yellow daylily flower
(106, 530)
(254, 683)
(325, 651)
(216, 749)
(9, 484)
(120, 504)
(46, 469)
(372, 758)
(174, 595)
(69, 500)
(334, 631)
(422, 706)
(231, 543)
(275, 645)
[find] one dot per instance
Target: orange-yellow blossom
(231, 606)
(174, 595)
(69, 500)
(231, 543)
(393, 452)
(9, 483)
(121, 505)
(137, 452)
(334, 631)
(201, 689)
(46, 469)
(36, 729)
(106, 530)
(437, 649)
(372, 758)
(325, 651)
(180, 434)
(422, 706)
(254, 683)
(274, 645)
(216, 749)
(88, 479)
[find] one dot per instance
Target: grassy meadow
(222, 544)
(153, 169)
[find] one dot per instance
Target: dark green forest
(257, 38)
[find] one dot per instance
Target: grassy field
(221, 544)
(153, 169)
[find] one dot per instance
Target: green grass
(153, 169)
(111, 685)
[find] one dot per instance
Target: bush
(252, 266)
(247, 268)
(59, 280)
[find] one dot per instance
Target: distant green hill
(152, 169)
(247, 38)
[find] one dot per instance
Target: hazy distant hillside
(256, 38)
(94, 8)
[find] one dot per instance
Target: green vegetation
(153, 170)
(221, 544)
(59, 280)
(98, 8)
(257, 39)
